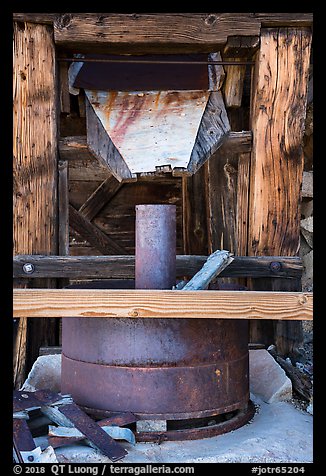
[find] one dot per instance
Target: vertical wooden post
(194, 213)
(278, 114)
(34, 169)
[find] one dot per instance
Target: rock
(307, 208)
(45, 374)
(308, 224)
(310, 408)
(307, 262)
(307, 184)
(267, 379)
(304, 247)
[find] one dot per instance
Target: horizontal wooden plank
(163, 32)
(123, 267)
(143, 303)
(75, 147)
(45, 18)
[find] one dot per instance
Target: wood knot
(133, 313)
(302, 299)
(211, 20)
(63, 21)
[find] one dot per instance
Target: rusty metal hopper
(144, 131)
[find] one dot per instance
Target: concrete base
(279, 433)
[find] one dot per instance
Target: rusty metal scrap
(93, 432)
(30, 400)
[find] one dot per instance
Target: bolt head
(275, 266)
(28, 268)
(30, 458)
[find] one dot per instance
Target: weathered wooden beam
(213, 131)
(64, 88)
(92, 233)
(34, 168)
(278, 112)
(142, 303)
(284, 19)
(194, 213)
(163, 32)
(215, 264)
(100, 197)
(266, 19)
(75, 147)
(123, 267)
(43, 18)
(63, 196)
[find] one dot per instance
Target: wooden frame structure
(267, 182)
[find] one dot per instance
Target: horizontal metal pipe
(106, 60)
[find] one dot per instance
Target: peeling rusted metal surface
(240, 419)
(23, 440)
(93, 432)
(152, 128)
(120, 419)
(27, 400)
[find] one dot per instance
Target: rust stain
(143, 122)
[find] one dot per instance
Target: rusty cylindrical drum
(156, 368)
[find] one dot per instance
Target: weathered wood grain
(123, 267)
(35, 165)
(162, 33)
(212, 132)
(63, 197)
(75, 148)
(233, 84)
(279, 107)
(215, 264)
(92, 233)
(162, 304)
(100, 197)
(194, 213)
(278, 113)
(241, 214)
(43, 18)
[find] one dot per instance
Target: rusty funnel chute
(142, 118)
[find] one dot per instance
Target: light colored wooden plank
(143, 303)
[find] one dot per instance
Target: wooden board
(162, 304)
(34, 167)
(93, 234)
(123, 267)
(278, 112)
(161, 33)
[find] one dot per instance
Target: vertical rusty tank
(172, 369)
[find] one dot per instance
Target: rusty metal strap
(28, 400)
(93, 432)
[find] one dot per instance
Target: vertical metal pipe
(155, 266)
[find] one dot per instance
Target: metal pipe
(106, 60)
(155, 262)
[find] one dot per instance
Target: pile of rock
(306, 244)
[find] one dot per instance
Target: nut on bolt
(28, 268)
